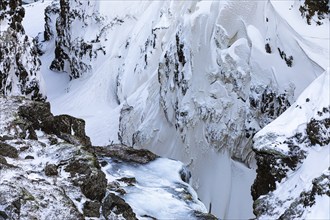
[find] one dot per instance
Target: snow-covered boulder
(293, 159)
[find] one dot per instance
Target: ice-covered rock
(154, 187)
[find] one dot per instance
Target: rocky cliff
(19, 61)
(293, 159)
(49, 170)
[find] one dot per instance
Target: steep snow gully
(189, 80)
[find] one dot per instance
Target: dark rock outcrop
(92, 209)
(205, 216)
(128, 180)
(7, 150)
(317, 131)
(315, 11)
(51, 170)
(267, 104)
(117, 205)
(293, 175)
(274, 166)
(38, 116)
(91, 180)
(51, 12)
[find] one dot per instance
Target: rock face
(91, 209)
(113, 203)
(60, 177)
(49, 170)
(74, 50)
(92, 182)
(20, 65)
(38, 116)
(8, 151)
(293, 159)
(51, 13)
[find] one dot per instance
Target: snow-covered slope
(190, 80)
(293, 159)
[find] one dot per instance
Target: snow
(56, 83)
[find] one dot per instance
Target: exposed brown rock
(128, 154)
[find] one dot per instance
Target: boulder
(7, 150)
(115, 204)
(91, 180)
(51, 170)
(92, 209)
(94, 186)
